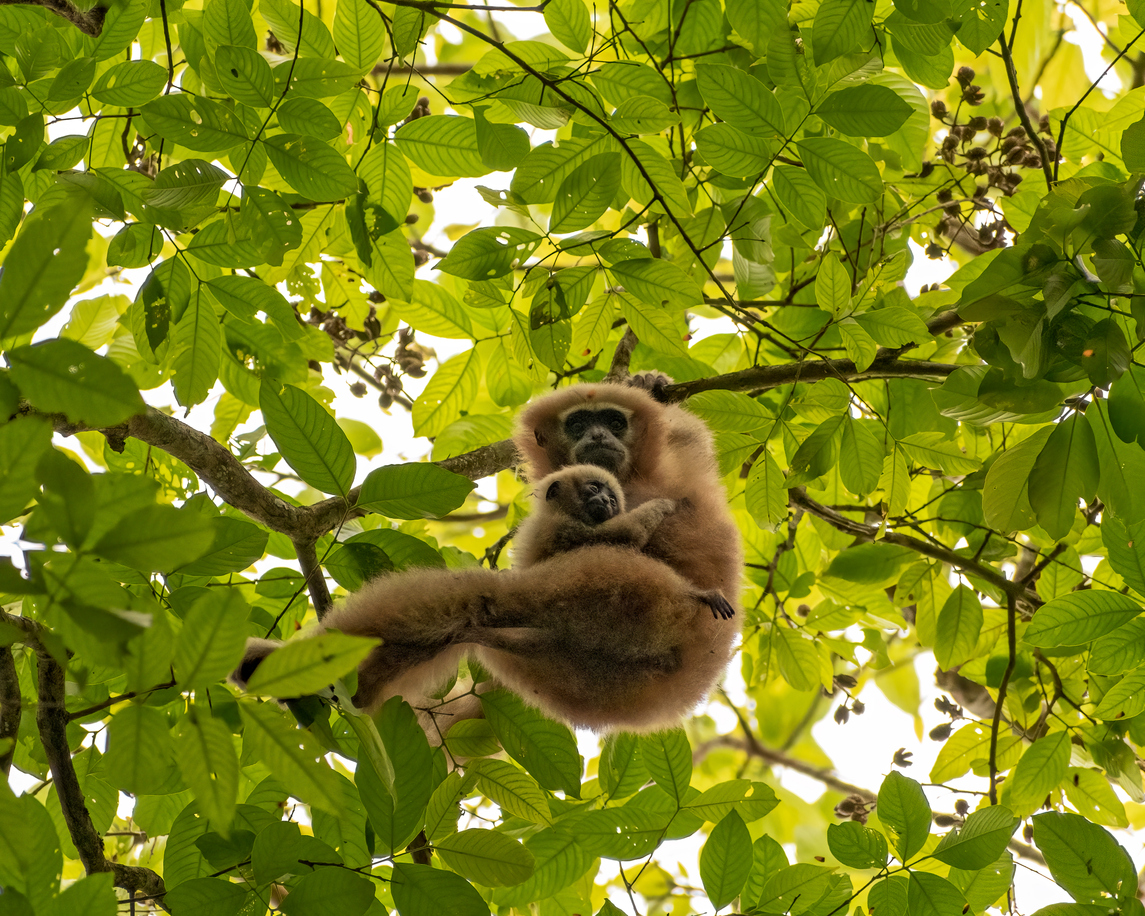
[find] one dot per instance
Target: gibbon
(583, 505)
(608, 636)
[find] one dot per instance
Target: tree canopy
(211, 215)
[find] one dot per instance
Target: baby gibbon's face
(600, 436)
(588, 499)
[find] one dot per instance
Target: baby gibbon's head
(582, 492)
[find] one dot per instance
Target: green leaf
(287, 21)
(293, 755)
(23, 443)
(1039, 772)
(894, 326)
(832, 286)
(668, 756)
(486, 254)
(306, 666)
(751, 800)
(434, 311)
(245, 75)
(766, 494)
(359, 33)
(1125, 546)
(559, 861)
(329, 892)
(451, 390)
(570, 23)
(139, 749)
(860, 457)
(1079, 617)
(196, 123)
(733, 152)
(857, 846)
(870, 563)
(617, 833)
(864, 111)
(793, 884)
(444, 145)
(1123, 700)
(1119, 651)
(414, 490)
(196, 349)
(396, 816)
(656, 282)
(420, 890)
(1005, 503)
(1066, 470)
(43, 266)
(959, 626)
(1084, 859)
(213, 639)
(726, 860)
(903, 807)
(206, 756)
(311, 167)
(546, 749)
(91, 896)
(981, 839)
(840, 27)
(840, 169)
(515, 791)
(936, 450)
(487, 857)
(587, 192)
(980, 23)
(932, 895)
(740, 99)
(130, 84)
(798, 192)
(309, 439)
(157, 538)
(654, 326)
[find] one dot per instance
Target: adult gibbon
(601, 636)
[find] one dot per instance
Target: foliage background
(220, 205)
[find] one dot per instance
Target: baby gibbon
(584, 505)
(608, 636)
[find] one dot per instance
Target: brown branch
(52, 721)
(621, 359)
(10, 708)
(315, 580)
(996, 724)
(1017, 590)
(89, 22)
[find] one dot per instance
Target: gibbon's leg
(721, 608)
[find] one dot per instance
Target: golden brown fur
(607, 636)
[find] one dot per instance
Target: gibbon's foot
(721, 609)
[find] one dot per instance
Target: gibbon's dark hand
(721, 609)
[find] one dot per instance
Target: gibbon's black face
(599, 437)
(595, 499)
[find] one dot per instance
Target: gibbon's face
(589, 500)
(600, 436)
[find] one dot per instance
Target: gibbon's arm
(629, 529)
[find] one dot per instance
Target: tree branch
(1017, 590)
(10, 708)
(89, 22)
(621, 359)
(315, 580)
(52, 720)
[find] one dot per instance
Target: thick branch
(89, 22)
(759, 378)
(1017, 590)
(621, 359)
(10, 708)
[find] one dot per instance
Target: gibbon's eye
(553, 489)
(592, 486)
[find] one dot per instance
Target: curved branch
(1015, 589)
(52, 721)
(10, 708)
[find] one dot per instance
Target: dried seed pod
(995, 126)
(938, 109)
(978, 122)
(358, 389)
(965, 76)
(944, 196)
(977, 153)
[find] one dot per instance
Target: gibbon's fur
(603, 636)
(584, 505)
(665, 453)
